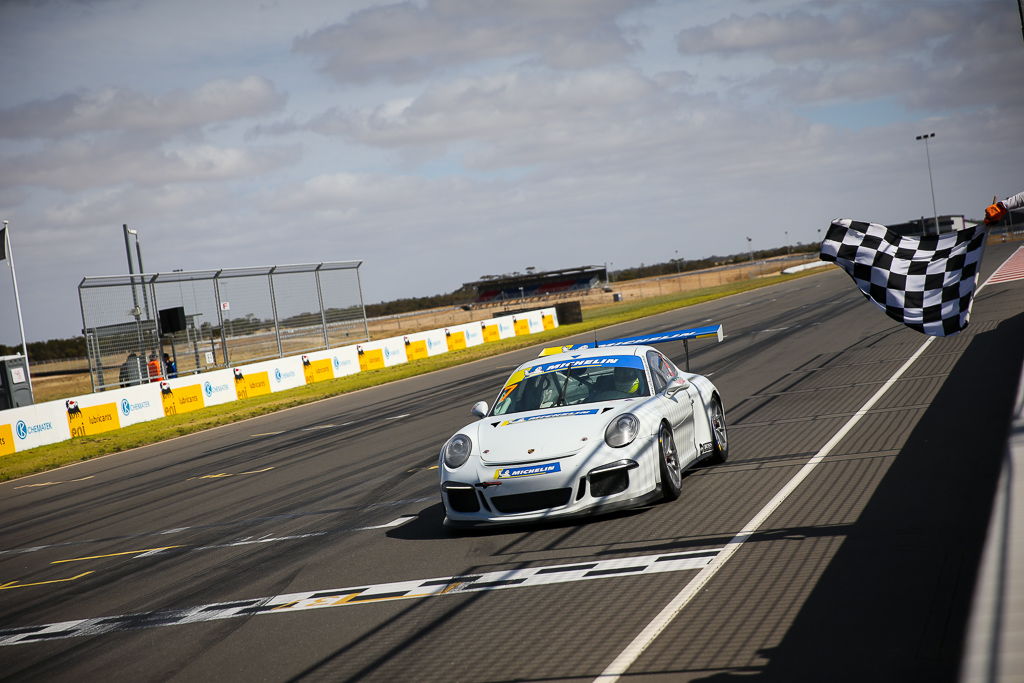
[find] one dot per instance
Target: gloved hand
(994, 213)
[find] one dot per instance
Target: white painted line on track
(395, 522)
(202, 527)
(367, 594)
(398, 417)
(620, 665)
(251, 541)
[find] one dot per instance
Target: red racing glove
(994, 213)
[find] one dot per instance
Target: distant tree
(52, 349)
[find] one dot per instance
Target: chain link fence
(140, 327)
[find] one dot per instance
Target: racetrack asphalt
(162, 563)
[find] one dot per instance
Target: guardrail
(56, 421)
(994, 650)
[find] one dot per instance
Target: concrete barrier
(994, 651)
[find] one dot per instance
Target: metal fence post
(220, 319)
(95, 365)
(320, 298)
(273, 308)
(158, 342)
(366, 324)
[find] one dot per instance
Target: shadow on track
(893, 603)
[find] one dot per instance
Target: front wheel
(720, 445)
(671, 472)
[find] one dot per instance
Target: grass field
(83, 448)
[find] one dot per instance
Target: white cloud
(407, 41)
(121, 109)
(74, 165)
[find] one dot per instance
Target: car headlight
(622, 430)
(456, 451)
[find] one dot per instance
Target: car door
(678, 408)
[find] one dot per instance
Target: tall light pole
(136, 311)
(928, 156)
(750, 248)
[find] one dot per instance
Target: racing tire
(719, 433)
(668, 462)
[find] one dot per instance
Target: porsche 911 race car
(584, 429)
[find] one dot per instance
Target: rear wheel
(719, 435)
(671, 472)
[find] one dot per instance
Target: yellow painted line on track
(53, 483)
(222, 475)
(127, 552)
(14, 584)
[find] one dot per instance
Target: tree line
(51, 349)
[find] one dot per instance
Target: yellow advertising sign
(6, 440)
(93, 420)
(549, 322)
(416, 349)
(456, 340)
(491, 333)
(522, 326)
(372, 359)
(256, 384)
(183, 399)
(318, 371)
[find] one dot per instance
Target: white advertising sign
(218, 387)
(134, 404)
(506, 326)
(344, 360)
(37, 425)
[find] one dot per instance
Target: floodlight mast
(928, 155)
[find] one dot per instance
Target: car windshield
(571, 383)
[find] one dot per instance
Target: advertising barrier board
(56, 421)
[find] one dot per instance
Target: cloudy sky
(441, 140)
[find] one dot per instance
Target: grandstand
(499, 288)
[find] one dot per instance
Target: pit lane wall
(994, 650)
(56, 421)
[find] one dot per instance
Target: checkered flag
(927, 283)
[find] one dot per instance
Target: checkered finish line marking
(339, 597)
(1012, 269)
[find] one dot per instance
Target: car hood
(544, 434)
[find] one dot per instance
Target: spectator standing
(170, 366)
(153, 366)
(131, 370)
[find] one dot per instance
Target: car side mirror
(479, 409)
(675, 386)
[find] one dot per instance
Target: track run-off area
(840, 541)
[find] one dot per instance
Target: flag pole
(17, 304)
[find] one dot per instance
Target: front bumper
(601, 481)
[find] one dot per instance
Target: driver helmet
(626, 380)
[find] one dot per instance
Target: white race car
(592, 428)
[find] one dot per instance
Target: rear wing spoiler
(678, 335)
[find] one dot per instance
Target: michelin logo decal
(529, 471)
(552, 367)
